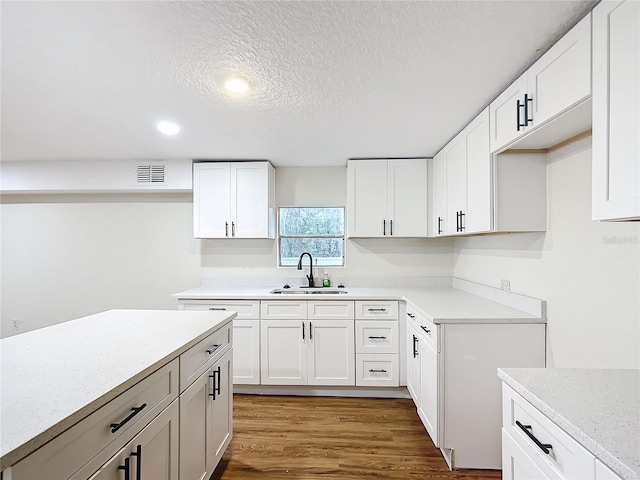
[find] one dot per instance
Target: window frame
(342, 237)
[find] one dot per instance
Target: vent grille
(151, 174)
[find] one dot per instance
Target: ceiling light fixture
(236, 85)
(168, 128)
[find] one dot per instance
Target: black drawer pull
(215, 347)
(138, 455)
(217, 308)
(377, 338)
(134, 411)
(371, 370)
(425, 329)
(125, 467)
(377, 309)
(543, 446)
(411, 315)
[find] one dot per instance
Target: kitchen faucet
(310, 276)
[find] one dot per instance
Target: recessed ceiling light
(168, 128)
(236, 85)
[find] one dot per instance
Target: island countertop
(599, 408)
(53, 377)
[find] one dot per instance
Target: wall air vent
(151, 173)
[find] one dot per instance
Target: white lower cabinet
(152, 454)
(536, 445)
(306, 352)
(451, 376)
(246, 335)
(206, 420)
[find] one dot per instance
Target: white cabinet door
(194, 403)
(516, 464)
(331, 359)
(211, 199)
(152, 454)
(477, 217)
(250, 200)
(561, 78)
(246, 352)
(413, 364)
(428, 408)
(283, 356)
(616, 102)
(367, 198)
(507, 114)
(220, 411)
(407, 211)
(456, 154)
(440, 194)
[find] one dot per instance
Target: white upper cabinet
(462, 181)
(558, 81)
(233, 200)
(616, 103)
(387, 198)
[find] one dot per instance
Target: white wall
(65, 256)
(587, 271)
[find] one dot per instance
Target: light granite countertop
(599, 408)
(464, 302)
(53, 377)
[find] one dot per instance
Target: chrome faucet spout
(310, 276)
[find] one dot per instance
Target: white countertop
(438, 304)
(55, 376)
(600, 408)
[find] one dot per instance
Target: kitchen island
(58, 378)
(599, 410)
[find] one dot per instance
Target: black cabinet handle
(425, 329)
(411, 315)
(310, 331)
(371, 370)
(543, 446)
(415, 345)
(138, 455)
(439, 225)
(519, 124)
(457, 221)
(125, 467)
(391, 227)
(384, 227)
(216, 386)
(215, 347)
(377, 309)
(462, 214)
(233, 229)
(377, 338)
(134, 411)
(303, 330)
(217, 308)
(527, 99)
(226, 229)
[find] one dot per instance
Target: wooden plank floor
(279, 437)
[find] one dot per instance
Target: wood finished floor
(304, 438)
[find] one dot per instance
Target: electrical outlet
(505, 285)
(15, 324)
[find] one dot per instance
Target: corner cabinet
(233, 200)
(387, 198)
(462, 187)
(616, 103)
(557, 82)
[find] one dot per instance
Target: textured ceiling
(330, 79)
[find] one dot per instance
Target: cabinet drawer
(330, 309)
(69, 451)
(429, 333)
(198, 358)
(377, 309)
(377, 370)
(566, 457)
(283, 310)
(247, 309)
(413, 318)
(376, 336)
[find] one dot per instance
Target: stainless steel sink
(308, 291)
